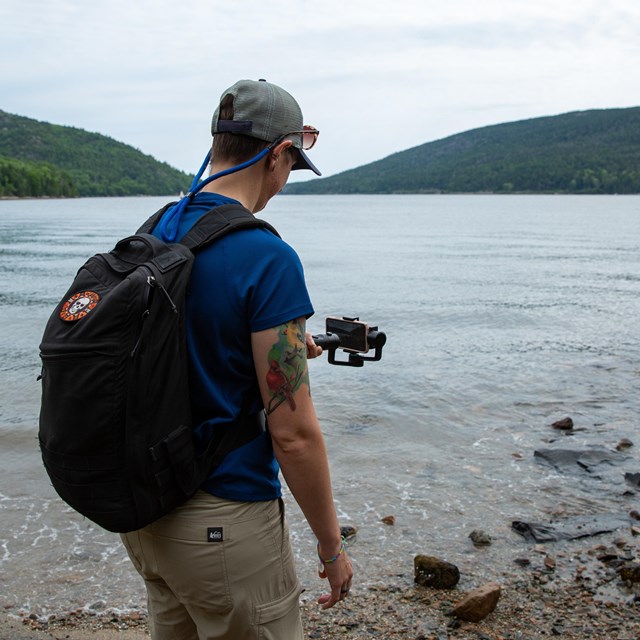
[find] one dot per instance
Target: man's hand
(313, 350)
(339, 574)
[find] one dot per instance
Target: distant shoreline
(171, 197)
(408, 193)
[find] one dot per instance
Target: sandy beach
(590, 589)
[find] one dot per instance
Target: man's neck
(244, 186)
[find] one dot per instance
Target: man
(221, 566)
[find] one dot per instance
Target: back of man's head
(252, 115)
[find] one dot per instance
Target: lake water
(502, 314)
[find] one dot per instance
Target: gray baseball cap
(265, 111)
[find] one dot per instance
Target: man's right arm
(281, 365)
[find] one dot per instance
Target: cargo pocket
(280, 619)
(131, 542)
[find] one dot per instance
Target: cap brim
(303, 162)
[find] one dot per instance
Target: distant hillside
(38, 158)
(582, 152)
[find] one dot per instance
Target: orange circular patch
(79, 305)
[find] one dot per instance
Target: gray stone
(480, 538)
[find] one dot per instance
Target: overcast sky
(374, 77)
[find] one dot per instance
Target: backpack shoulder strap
(218, 222)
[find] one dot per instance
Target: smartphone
(353, 333)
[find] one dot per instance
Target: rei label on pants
(215, 534)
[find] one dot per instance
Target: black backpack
(115, 423)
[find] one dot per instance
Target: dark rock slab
(571, 528)
(570, 459)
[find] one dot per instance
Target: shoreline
(395, 193)
(576, 594)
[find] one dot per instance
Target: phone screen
(353, 333)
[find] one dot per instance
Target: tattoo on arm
(287, 365)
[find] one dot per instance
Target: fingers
(325, 601)
(328, 600)
(339, 575)
(344, 591)
(313, 350)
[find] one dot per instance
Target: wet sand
(579, 595)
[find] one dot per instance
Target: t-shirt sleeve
(277, 291)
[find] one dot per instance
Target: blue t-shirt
(247, 281)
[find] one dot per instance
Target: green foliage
(582, 152)
(30, 179)
(38, 156)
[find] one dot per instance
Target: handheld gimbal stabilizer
(353, 337)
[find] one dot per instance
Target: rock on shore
(478, 604)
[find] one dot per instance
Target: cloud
(376, 78)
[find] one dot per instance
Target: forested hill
(42, 159)
(581, 152)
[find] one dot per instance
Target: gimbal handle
(330, 342)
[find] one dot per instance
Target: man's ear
(276, 152)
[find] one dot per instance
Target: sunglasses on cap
(308, 135)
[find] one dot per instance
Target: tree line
(34, 180)
(588, 152)
(43, 159)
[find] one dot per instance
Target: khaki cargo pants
(219, 569)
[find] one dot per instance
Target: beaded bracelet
(330, 560)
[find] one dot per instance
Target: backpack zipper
(153, 284)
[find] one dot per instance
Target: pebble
(523, 562)
(624, 444)
(566, 424)
(630, 572)
(480, 538)
(348, 532)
